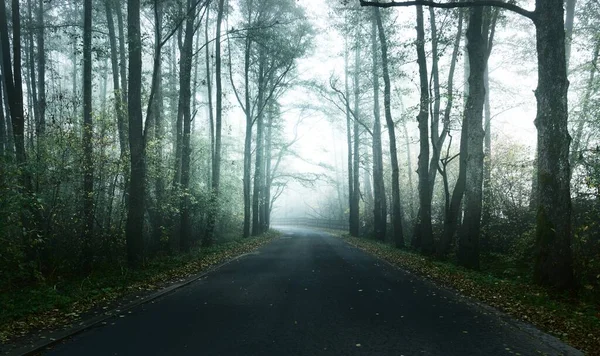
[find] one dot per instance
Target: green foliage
(61, 301)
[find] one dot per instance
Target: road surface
(308, 293)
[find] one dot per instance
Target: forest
(136, 133)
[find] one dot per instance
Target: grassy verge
(49, 306)
(569, 319)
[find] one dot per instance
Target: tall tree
(88, 161)
(468, 247)
(216, 146)
(423, 230)
(398, 237)
(554, 265)
(135, 213)
(379, 200)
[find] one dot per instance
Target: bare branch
(452, 5)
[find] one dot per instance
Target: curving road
(310, 294)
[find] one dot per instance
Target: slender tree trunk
(554, 261)
(41, 68)
(119, 103)
(248, 141)
(379, 200)
(3, 140)
(353, 224)
(398, 236)
(268, 176)
(410, 172)
(423, 230)
(585, 112)
(260, 149)
(158, 124)
(216, 149)
(185, 74)
(356, 142)
(135, 214)
(468, 247)
(569, 19)
(88, 162)
(122, 53)
(32, 85)
(487, 162)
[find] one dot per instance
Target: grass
(49, 306)
(570, 319)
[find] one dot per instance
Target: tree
(423, 230)
(135, 214)
(88, 131)
(554, 266)
(398, 237)
(379, 200)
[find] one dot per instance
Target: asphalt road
(310, 294)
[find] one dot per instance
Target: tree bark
(398, 236)
(216, 162)
(119, 103)
(135, 213)
(553, 263)
(423, 230)
(379, 200)
(355, 198)
(88, 162)
(353, 223)
(41, 68)
(468, 247)
(185, 76)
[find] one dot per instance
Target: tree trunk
(41, 69)
(185, 76)
(135, 214)
(3, 142)
(122, 53)
(398, 236)
(216, 149)
(355, 202)
(423, 231)
(553, 263)
(487, 163)
(248, 141)
(379, 200)
(88, 162)
(585, 112)
(353, 223)
(119, 103)
(468, 247)
(259, 152)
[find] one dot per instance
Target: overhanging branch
(452, 5)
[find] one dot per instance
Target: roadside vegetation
(58, 302)
(573, 319)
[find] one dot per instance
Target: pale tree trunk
(247, 141)
(398, 236)
(585, 110)
(355, 198)
(423, 230)
(379, 200)
(352, 220)
(410, 172)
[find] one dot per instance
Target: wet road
(308, 293)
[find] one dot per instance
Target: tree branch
(451, 5)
